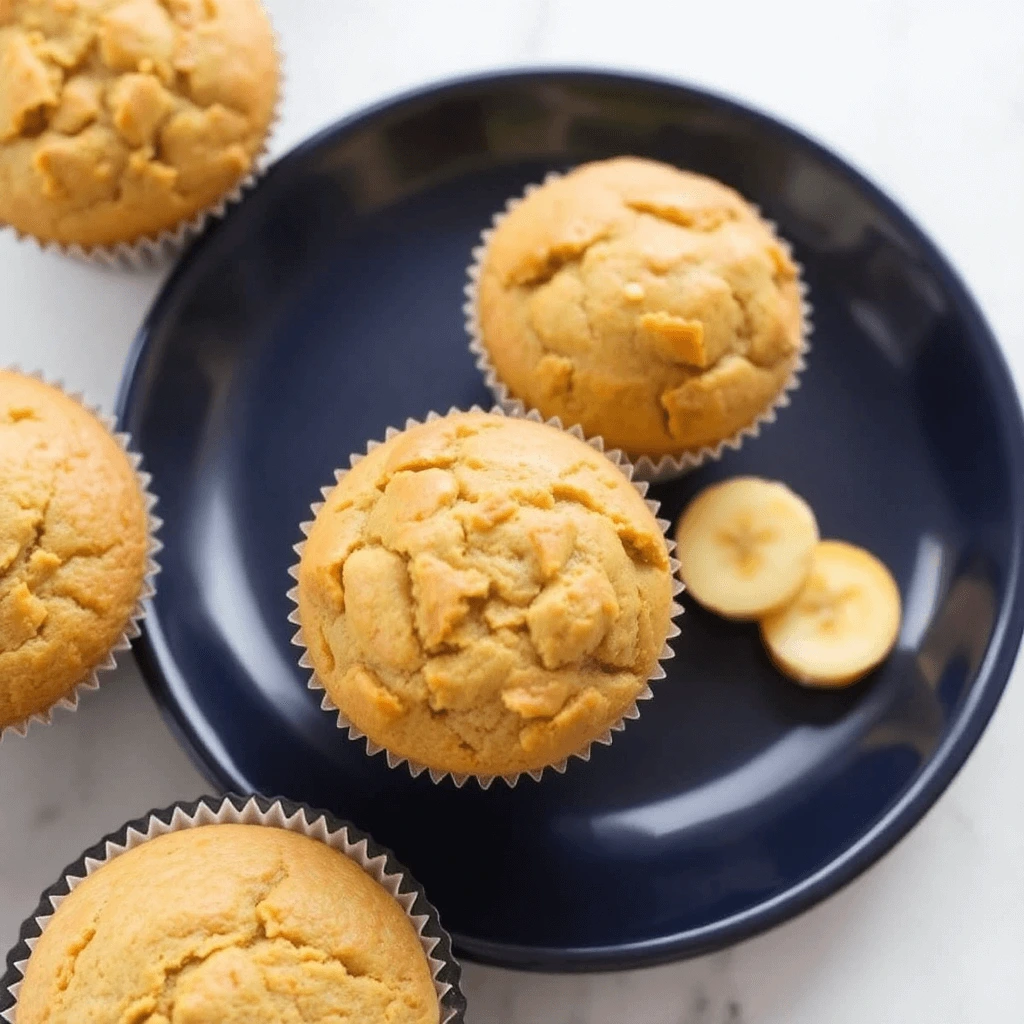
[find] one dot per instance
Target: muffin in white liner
(378, 862)
(168, 245)
(654, 469)
(151, 250)
(415, 768)
(131, 630)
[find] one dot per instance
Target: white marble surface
(927, 96)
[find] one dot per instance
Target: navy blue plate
(327, 307)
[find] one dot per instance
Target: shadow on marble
(64, 786)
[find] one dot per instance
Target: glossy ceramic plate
(328, 307)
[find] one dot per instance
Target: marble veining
(925, 97)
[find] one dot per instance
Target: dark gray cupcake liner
(378, 862)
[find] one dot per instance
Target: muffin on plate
(484, 596)
(229, 922)
(121, 120)
(74, 545)
(652, 306)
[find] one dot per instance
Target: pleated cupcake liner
(416, 768)
(148, 251)
(653, 468)
(131, 630)
(377, 861)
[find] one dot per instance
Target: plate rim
(992, 675)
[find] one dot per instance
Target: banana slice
(745, 546)
(842, 624)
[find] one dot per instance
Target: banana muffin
(121, 119)
(484, 595)
(74, 536)
(226, 924)
(652, 306)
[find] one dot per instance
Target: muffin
(123, 119)
(651, 306)
(229, 922)
(74, 538)
(483, 595)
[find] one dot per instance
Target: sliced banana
(843, 622)
(745, 546)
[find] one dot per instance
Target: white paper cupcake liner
(379, 863)
(415, 768)
(654, 469)
(131, 629)
(147, 252)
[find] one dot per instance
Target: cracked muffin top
(73, 543)
(649, 305)
(120, 119)
(229, 924)
(484, 595)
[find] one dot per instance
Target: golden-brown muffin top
(73, 542)
(119, 119)
(484, 595)
(650, 305)
(229, 924)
